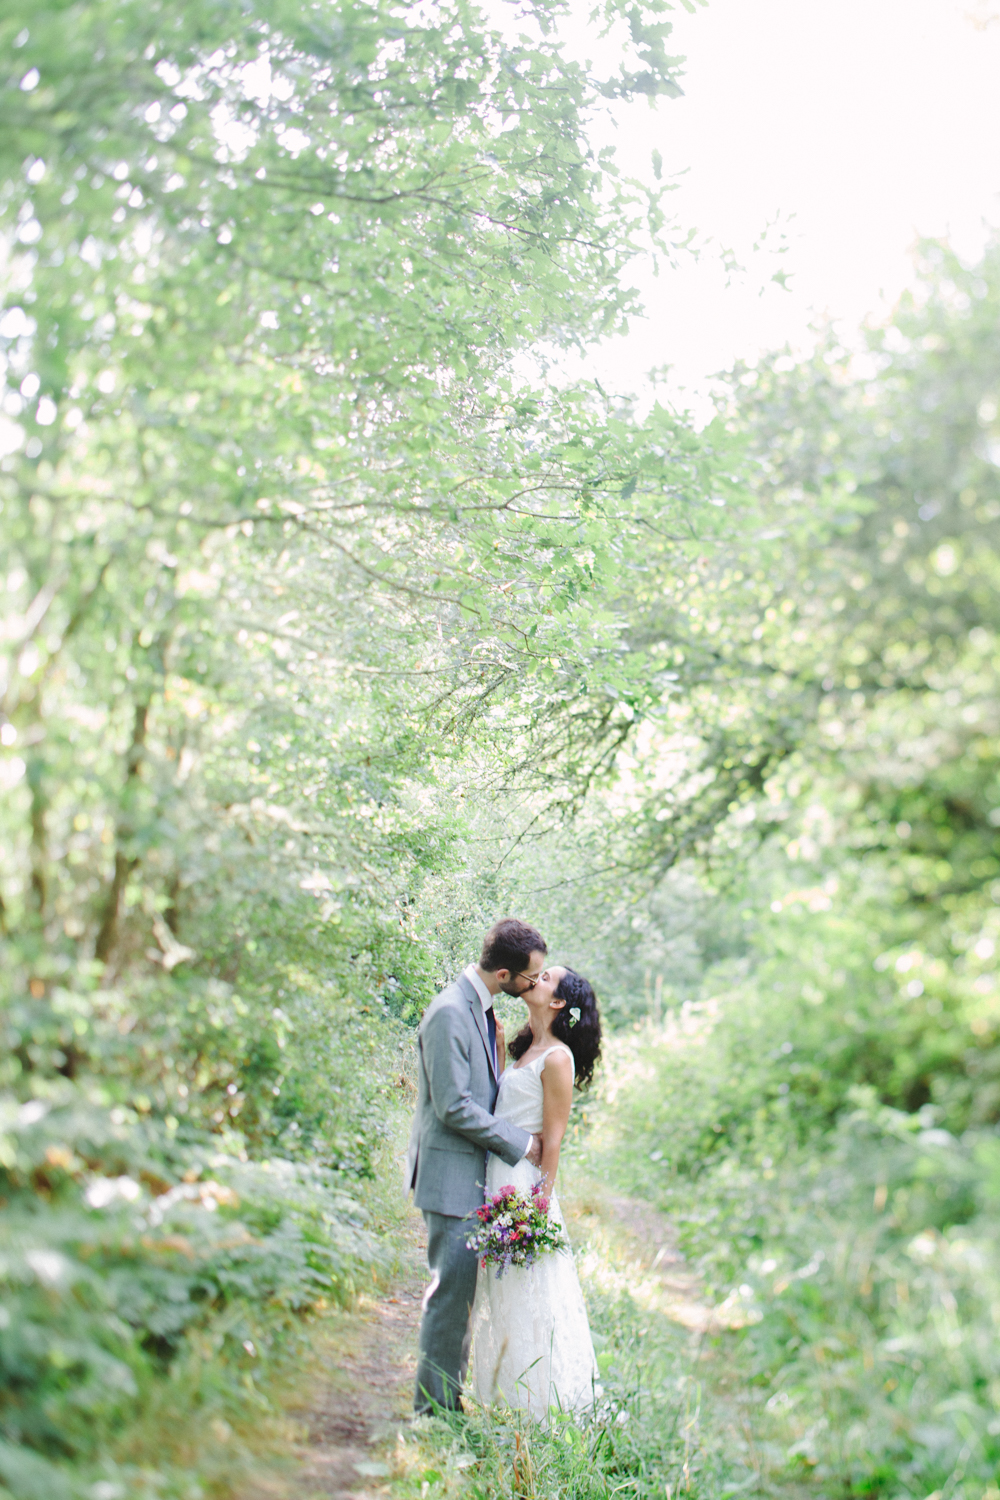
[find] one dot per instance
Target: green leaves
(299, 574)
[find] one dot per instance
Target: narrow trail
(628, 1243)
(634, 1237)
(364, 1393)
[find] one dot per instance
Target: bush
(863, 1263)
(109, 1274)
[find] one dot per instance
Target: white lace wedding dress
(531, 1344)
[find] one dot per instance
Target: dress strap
(556, 1047)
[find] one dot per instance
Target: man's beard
(509, 989)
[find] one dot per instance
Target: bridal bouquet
(515, 1230)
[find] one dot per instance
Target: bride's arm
(557, 1092)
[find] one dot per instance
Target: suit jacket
(454, 1126)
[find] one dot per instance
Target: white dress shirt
(485, 998)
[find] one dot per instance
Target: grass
(650, 1435)
(647, 1438)
(865, 1266)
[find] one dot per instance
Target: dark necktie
(491, 1026)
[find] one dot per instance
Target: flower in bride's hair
(574, 1014)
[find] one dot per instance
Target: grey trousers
(446, 1326)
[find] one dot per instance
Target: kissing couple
(481, 1126)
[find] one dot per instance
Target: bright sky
(857, 125)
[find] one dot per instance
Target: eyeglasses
(532, 980)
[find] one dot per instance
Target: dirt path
(365, 1392)
(634, 1245)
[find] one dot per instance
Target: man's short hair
(509, 944)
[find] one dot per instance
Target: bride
(531, 1340)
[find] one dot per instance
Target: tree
(282, 530)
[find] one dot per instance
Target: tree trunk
(108, 934)
(171, 915)
(39, 835)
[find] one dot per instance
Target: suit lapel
(469, 991)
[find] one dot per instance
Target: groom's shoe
(455, 1416)
(426, 1406)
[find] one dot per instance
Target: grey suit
(446, 1168)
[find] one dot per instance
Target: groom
(452, 1132)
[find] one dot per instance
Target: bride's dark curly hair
(581, 1032)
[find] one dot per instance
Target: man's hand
(534, 1151)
